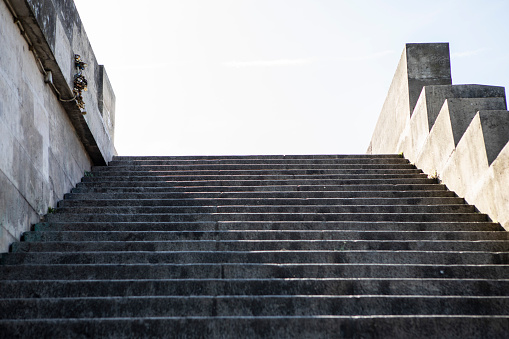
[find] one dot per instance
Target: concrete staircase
(258, 246)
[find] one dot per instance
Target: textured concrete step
(264, 195)
(263, 245)
(317, 162)
(275, 168)
(430, 326)
(250, 271)
(132, 171)
(265, 208)
(259, 156)
(187, 217)
(83, 187)
(163, 182)
(289, 286)
(164, 306)
(250, 178)
(278, 256)
(269, 225)
(256, 201)
(263, 235)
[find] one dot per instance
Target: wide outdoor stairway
(319, 246)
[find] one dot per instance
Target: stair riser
(262, 162)
(164, 182)
(260, 245)
(279, 168)
(114, 307)
(155, 171)
(327, 257)
(158, 188)
(167, 176)
(272, 209)
(255, 201)
(255, 225)
(278, 327)
(260, 235)
(249, 271)
(265, 195)
(374, 217)
(339, 287)
(258, 156)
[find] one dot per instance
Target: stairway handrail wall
(456, 133)
(46, 142)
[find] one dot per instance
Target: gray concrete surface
(457, 133)
(420, 65)
(45, 144)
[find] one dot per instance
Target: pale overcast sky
(210, 77)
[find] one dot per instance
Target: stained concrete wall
(46, 144)
(420, 65)
(459, 133)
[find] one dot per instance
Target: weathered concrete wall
(420, 65)
(45, 144)
(459, 133)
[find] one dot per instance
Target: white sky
(275, 76)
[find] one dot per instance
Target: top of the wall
(55, 34)
(426, 64)
(420, 65)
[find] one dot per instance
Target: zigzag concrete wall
(458, 133)
(46, 144)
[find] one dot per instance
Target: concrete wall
(459, 133)
(46, 144)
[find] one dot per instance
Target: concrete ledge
(459, 133)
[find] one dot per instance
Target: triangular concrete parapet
(463, 110)
(495, 130)
(420, 65)
(455, 132)
(434, 97)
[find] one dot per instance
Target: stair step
(84, 187)
(250, 271)
(278, 256)
(288, 286)
(269, 225)
(260, 156)
(199, 182)
(134, 171)
(186, 217)
(264, 208)
(277, 168)
(261, 305)
(433, 326)
(256, 201)
(263, 235)
(264, 245)
(250, 178)
(261, 162)
(415, 194)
